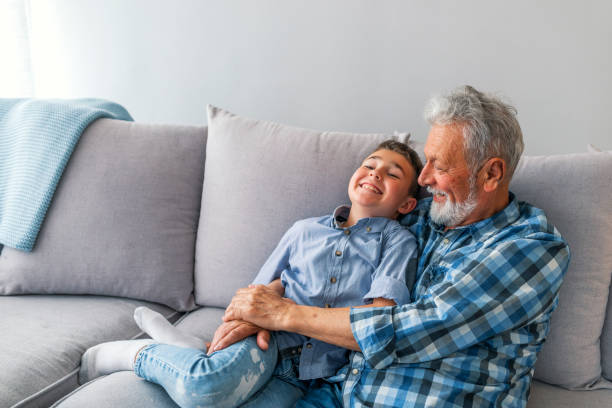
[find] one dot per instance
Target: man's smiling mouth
(370, 187)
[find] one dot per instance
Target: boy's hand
(234, 331)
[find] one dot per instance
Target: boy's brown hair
(410, 155)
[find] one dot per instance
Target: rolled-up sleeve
(498, 289)
(397, 267)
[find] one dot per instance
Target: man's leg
(322, 394)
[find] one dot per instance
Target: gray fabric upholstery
(44, 336)
(606, 344)
(574, 190)
(122, 389)
(260, 178)
(548, 396)
(202, 322)
(123, 219)
(606, 335)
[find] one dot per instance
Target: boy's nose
(374, 174)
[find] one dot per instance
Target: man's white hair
(490, 127)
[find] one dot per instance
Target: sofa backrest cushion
(606, 335)
(261, 177)
(123, 219)
(575, 192)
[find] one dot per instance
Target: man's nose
(425, 176)
(374, 173)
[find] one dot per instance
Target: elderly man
(488, 278)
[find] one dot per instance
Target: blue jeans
(241, 374)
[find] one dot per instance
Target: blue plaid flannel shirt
(480, 313)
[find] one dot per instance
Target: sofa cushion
(574, 191)
(543, 395)
(606, 335)
(202, 322)
(261, 177)
(43, 338)
(606, 343)
(123, 219)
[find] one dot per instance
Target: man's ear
(494, 172)
(408, 205)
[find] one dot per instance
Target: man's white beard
(451, 214)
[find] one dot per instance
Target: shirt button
(338, 253)
(355, 371)
(446, 241)
(333, 279)
(308, 345)
(368, 229)
(347, 232)
(299, 349)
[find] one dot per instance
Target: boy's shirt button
(338, 253)
(347, 232)
(333, 279)
(368, 229)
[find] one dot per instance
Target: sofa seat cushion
(122, 389)
(202, 322)
(43, 338)
(549, 396)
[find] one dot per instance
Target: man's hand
(259, 305)
(233, 331)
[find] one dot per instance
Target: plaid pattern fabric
(479, 314)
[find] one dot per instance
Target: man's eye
(367, 166)
(438, 168)
(394, 176)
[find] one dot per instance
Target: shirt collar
(372, 224)
(488, 226)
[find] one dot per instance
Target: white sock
(106, 358)
(162, 331)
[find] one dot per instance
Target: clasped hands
(253, 310)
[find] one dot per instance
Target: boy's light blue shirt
(322, 264)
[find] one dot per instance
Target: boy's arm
(395, 273)
(379, 302)
(277, 286)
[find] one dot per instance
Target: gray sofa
(179, 217)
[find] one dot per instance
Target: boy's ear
(408, 205)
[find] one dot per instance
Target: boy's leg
(109, 357)
(161, 330)
(226, 378)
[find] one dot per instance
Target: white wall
(342, 64)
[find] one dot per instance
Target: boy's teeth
(369, 187)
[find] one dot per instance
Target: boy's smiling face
(380, 186)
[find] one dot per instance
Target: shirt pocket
(369, 252)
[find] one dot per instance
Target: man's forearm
(329, 325)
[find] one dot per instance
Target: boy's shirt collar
(371, 224)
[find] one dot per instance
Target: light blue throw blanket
(37, 138)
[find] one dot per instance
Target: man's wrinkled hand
(233, 331)
(259, 305)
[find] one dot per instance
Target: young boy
(359, 255)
